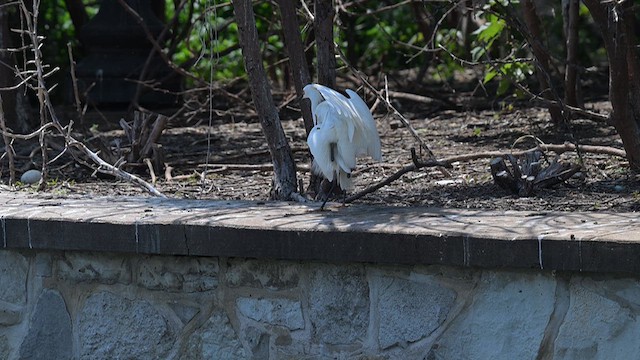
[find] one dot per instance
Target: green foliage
(495, 37)
(205, 39)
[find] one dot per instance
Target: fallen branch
(249, 167)
(448, 161)
(417, 164)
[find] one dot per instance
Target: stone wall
(76, 305)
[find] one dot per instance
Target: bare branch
(448, 161)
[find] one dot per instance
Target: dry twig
(48, 112)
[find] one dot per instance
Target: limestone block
(43, 264)
(258, 341)
(282, 312)
(183, 311)
(5, 348)
(10, 314)
(187, 274)
(601, 323)
(13, 276)
(409, 311)
(506, 319)
(94, 267)
(339, 303)
(50, 334)
(272, 275)
(113, 327)
(216, 339)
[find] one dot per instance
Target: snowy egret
(344, 130)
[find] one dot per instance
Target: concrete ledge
(594, 242)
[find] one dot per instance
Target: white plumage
(344, 129)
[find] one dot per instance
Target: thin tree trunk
(323, 25)
(616, 25)
(284, 180)
(16, 106)
(571, 37)
(297, 61)
(78, 13)
(427, 25)
(532, 21)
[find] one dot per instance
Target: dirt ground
(235, 139)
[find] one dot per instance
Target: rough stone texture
(113, 327)
(506, 318)
(216, 339)
(283, 312)
(600, 327)
(13, 277)
(409, 311)
(185, 312)
(5, 347)
(94, 267)
(43, 264)
(50, 331)
(339, 304)
(10, 314)
(257, 340)
(181, 274)
(123, 306)
(270, 275)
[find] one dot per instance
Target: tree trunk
(16, 106)
(543, 74)
(570, 8)
(78, 13)
(284, 177)
(297, 61)
(616, 24)
(427, 25)
(323, 25)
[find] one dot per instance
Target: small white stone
(31, 177)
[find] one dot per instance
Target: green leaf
(477, 52)
(491, 31)
(489, 76)
(503, 86)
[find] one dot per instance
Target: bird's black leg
(333, 184)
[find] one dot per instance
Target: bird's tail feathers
(344, 180)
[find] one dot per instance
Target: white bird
(344, 130)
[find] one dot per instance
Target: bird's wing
(369, 144)
(341, 108)
(321, 153)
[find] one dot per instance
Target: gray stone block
(281, 312)
(94, 267)
(13, 277)
(188, 274)
(10, 314)
(506, 319)
(5, 348)
(409, 311)
(184, 312)
(262, 274)
(113, 327)
(216, 339)
(43, 264)
(601, 322)
(339, 304)
(50, 333)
